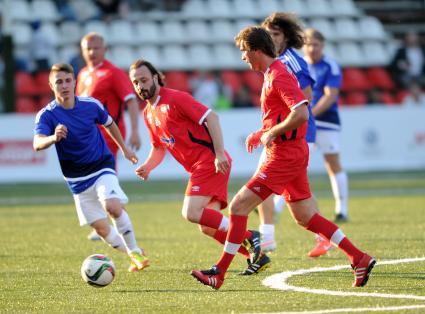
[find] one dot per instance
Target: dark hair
(142, 62)
(62, 67)
(256, 38)
(289, 24)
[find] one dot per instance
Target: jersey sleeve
(334, 75)
(123, 86)
(43, 125)
(304, 78)
(102, 115)
(191, 108)
(289, 92)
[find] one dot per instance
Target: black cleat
(253, 246)
(340, 218)
(262, 264)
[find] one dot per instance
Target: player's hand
(130, 155)
(221, 163)
(267, 138)
(135, 141)
(61, 132)
(143, 172)
(252, 141)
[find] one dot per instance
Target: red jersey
(281, 93)
(112, 87)
(176, 121)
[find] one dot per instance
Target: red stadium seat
(25, 105)
(356, 99)
(401, 95)
(25, 84)
(232, 79)
(388, 99)
(255, 98)
(43, 101)
(380, 78)
(177, 80)
(42, 83)
(254, 80)
(354, 79)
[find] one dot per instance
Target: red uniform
(112, 87)
(285, 170)
(177, 122)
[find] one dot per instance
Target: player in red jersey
(110, 85)
(191, 132)
(285, 116)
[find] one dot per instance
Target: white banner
(374, 138)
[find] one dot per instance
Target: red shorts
(285, 175)
(204, 181)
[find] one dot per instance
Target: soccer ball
(98, 270)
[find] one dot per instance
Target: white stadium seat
(84, 9)
(197, 31)
(227, 56)
(318, 8)
(376, 53)
(98, 27)
(70, 32)
(371, 28)
(122, 56)
(21, 33)
(240, 24)
(45, 10)
(350, 54)
(174, 57)
(66, 53)
(343, 8)
(194, 9)
(347, 29)
(246, 8)
(121, 32)
(18, 10)
(150, 53)
(267, 7)
(325, 26)
(52, 33)
(331, 51)
(295, 6)
(200, 57)
(172, 32)
(222, 30)
(219, 8)
(147, 32)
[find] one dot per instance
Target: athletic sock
(330, 231)
(125, 229)
(267, 232)
(220, 236)
(339, 183)
(115, 240)
(214, 219)
(235, 236)
(279, 203)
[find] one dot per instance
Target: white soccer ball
(98, 270)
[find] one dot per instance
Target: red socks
(211, 218)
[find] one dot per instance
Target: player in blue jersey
(328, 76)
(287, 35)
(70, 123)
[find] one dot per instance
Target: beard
(146, 94)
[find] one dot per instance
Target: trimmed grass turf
(42, 248)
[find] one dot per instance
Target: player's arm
(308, 93)
(133, 110)
(115, 133)
(298, 115)
(42, 141)
(156, 155)
(221, 162)
(325, 102)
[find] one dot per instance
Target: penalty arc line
(279, 281)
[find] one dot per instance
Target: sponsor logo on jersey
(196, 188)
(169, 141)
(165, 108)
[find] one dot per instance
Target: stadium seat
(70, 32)
(19, 10)
(25, 105)
(380, 78)
(43, 101)
(197, 31)
(269, 6)
(232, 79)
(343, 8)
(253, 80)
(148, 32)
(388, 99)
(52, 32)
(227, 56)
(401, 95)
(45, 10)
(219, 8)
(173, 32)
(200, 57)
(356, 99)
(256, 99)
(371, 28)
(376, 53)
(150, 53)
(354, 79)
(122, 56)
(21, 33)
(318, 8)
(347, 29)
(246, 8)
(325, 26)
(294, 6)
(177, 80)
(194, 9)
(66, 53)
(331, 51)
(350, 54)
(42, 83)
(242, 23)
(25, 84)
(98, 27)
(222, 30)
(174, 57)
(84, 10)
(121, 33)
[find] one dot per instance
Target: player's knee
(236, 206)
(191, 214)
(207, 230)
(114, 209)
(102, 229)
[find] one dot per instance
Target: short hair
(92, 35)
(142, 62)
(289, 24)
(314, 33)
(61, 67)
(256, 38)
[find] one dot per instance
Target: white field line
(279, 281)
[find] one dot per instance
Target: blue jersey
(298, 66)
(83, 154)
(327, 73)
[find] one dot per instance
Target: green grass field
(42, 248)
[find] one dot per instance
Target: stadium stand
(200, 37)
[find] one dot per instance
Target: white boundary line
(279, 281)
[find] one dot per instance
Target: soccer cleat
(138, 261)
(210, 277)
(340, 218)
(262, 264)
(268, 246)
(321, 248)
(93, 236)
(362, 270)
(253, 246)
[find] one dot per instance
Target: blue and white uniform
(85, 160)
(327, 73)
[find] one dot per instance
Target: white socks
(115, 240)
(279, 203)
(339, 183)
(125, 229)
(267, 232)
